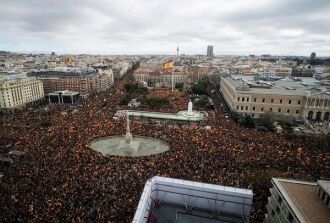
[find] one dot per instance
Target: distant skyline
(241, 27)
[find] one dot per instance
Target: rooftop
(61, 73)
(325, 185)
(181, 201)
(302, 199)
(285, 86)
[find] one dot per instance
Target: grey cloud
(139, 26)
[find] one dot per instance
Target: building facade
(294, 201)
(209, 51)
(284, 97)
(18, 92)
(162, 80)
(84, 83)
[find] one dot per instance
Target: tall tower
(313, 57)
(209, 51)
(177, 51)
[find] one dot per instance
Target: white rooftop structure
(174, 200)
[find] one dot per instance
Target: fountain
(190, 113)
(127, 145)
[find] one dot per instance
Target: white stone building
(282, 98)
(18, 92)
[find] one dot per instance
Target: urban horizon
(170, 54)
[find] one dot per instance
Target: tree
(204, 102)
(235, 116)
(179, 86)
(142, 90)
(126, 99)
(131, 87)
(266, 120)
(199, 88)
(249, 122)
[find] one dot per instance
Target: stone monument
(128, 144)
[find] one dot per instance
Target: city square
(161, 111)
(59, 177)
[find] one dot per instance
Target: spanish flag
(167, 66)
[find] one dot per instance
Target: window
(238, 99)
(262, 108)
(281, 101)
(254, 108)
(298, 102)
(297, 112)
(290, 102)
(288, 111)
(279, 110)
(263, 100)
(247, 99)
(243, 99)
(272, 101)
(242, 107)
(271, 109)
(255, 99)
(246, 108)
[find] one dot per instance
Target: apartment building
(293, 201)
(17, 92)
(282, 98)
(84, 83)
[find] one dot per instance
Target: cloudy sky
(278, 27)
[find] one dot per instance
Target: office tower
(313, 56)
(210, 51)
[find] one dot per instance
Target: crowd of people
(58, 178)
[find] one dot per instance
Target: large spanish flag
(167, 66)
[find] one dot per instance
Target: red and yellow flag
(167, 66)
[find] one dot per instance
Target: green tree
(126, 99)
(179, 86)
(131, 87)
(249, 122)
(267, 120)
(199, 88)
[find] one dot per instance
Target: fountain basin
(143, 146)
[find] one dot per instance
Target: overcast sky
(277, 27)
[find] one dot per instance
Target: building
(173, 200)
(63, 97)
(162, 80)
(290, 98)
(84, 83)
(302, 72)
(106, 79)
(209, 51)
(294, 201)
(313, 57)
(17, 92)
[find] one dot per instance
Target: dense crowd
(59, 178)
